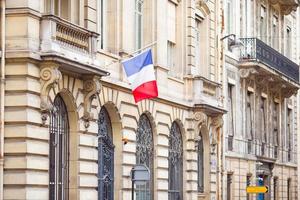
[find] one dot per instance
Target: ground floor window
(59, 151)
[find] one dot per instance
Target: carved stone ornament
(201, 118)
(49, 76)
(91, 88)
(245, 73)
(216, 122)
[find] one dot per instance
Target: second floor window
(66, 9)
(202, 66)
(288, 42)
(171, 38)
(248, 18)
(263, 24)
(171, 55)
(102, 22)
(229, 17)
(197, 45)
(275, 38)
(138, 24)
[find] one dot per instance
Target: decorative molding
(245, 73)
(49, 76)
(91, 88)
(288, 92)
(203, 7)
(201, 118)
(286, 6)
(217, 122)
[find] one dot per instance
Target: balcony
(268, 62)
(70, 44)
(207, 96)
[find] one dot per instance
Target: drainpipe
(2, 95)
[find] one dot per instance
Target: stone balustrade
(61, 32)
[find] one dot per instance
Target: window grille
(59, 151)
(175, 163)
(144, 155)
(105, 157)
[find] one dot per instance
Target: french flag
(140, 74)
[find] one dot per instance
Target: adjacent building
(261, 86)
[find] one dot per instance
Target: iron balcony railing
(257, 148)
(254, 49)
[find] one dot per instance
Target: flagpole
(118, 60)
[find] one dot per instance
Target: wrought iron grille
(105, 157)
(255, 49)
(144, 155)
(200, 164)
(175, 163)
(59, 151)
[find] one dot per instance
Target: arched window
(105, 157)
(200, 164)
(144, 155)
(175, 163)
(59, 151)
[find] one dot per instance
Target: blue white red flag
(141, 76)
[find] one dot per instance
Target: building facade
(261, 87)
(67, 108)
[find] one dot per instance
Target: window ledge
(109, 54)
(202, 195)
(179, 80)
(161, 67)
